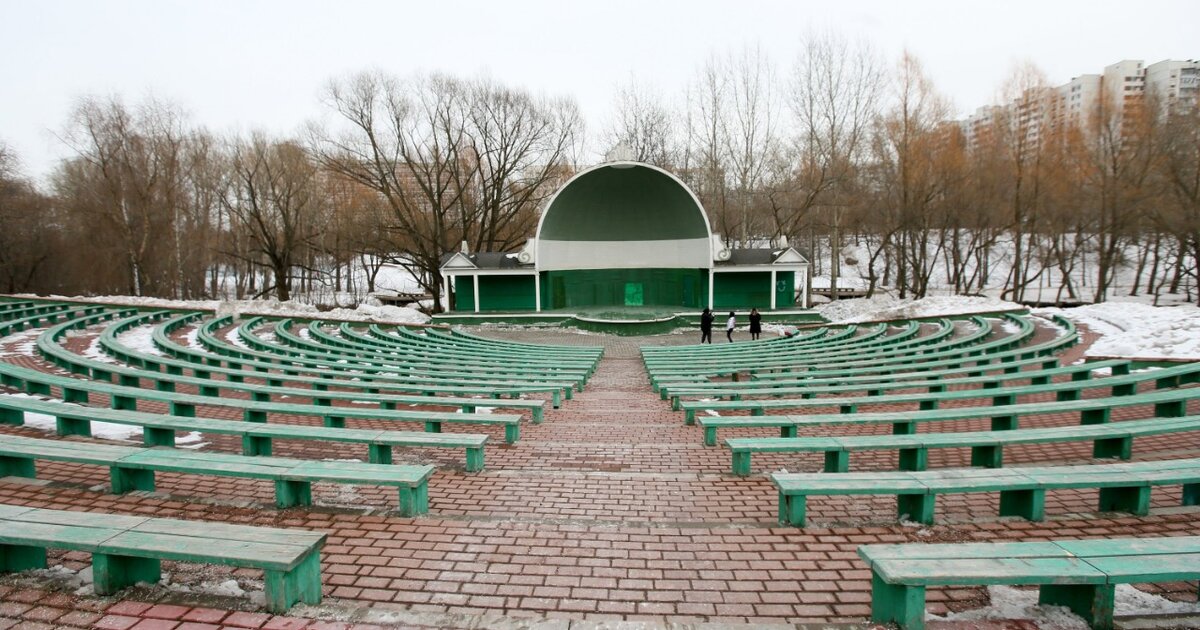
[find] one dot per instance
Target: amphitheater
(336, 475)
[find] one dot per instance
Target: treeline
(836, 148)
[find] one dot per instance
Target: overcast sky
(246, 64)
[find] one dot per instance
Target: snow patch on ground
(104, 430)
(96, 352)
(234, 338)
(371, 310)
(885, 308)
(1130, 329)
(141, 339)
(1008, 603)
(193, 339)
(26, 341)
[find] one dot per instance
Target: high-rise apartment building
(1168, 82)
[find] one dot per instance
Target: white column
(475, 284)
(774, 289)
(710, 288)
(444, 298)
(537, 292)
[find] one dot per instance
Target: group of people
(706, 325)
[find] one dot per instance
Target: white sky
(250, 64)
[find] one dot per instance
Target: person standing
(755, 323)
(730, 325)
(706, 322)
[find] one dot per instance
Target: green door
(634, 294)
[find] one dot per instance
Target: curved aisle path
(609, 510)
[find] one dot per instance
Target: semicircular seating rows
(995, 386)
(461, 389)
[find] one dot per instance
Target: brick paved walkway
(610, 510)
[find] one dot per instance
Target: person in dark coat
(755, 323)
(706, 322)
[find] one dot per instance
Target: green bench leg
(302, 584)
(130, 479)
(41, 389)
(12, 417)
(254, 415)
(1121, 447)
(689, 417)
(387, 406)
(1094, 416)
(847, 409)
(1129, 389)
(1191, 494)
(1069, 394)
(322, 402)
(124, 403)
(16, 558)
(257, 396)
(710, 436)
(904, 428)
(914, 458)
(432, 426)
(113, 573)
(158, 436)
(174, 370)
(512, 433)
(936, 389)
(537, 415)
(414, 501)
(336, 422)
(475, 459)
(989, 384)
(183, 410)
(468, 408)
(256, 445)
(72, 395)
(210, 390)
(1004, 423)
(1093, 602)
(129, 380)
(1029, 504)
(73, 426)
(870, 392)
(987, 456)
(555, 400)
(568, 393)
(1134, 500)
(379, 453)
(290, 493)
(273, 382)
(1040, 380)
(927, 405)
(1172, 409)
(792, 509)
(741, 463)
(164, 386)
(835, 461)
(17, 467)
(788, 431)
(1006, 399)
(918, 507)
(899, 604)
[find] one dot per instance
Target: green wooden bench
(873, 384)
(257, 438)
(1167, 403)
(342, 366)
(1079, 574)
(1123, 487)
(945, 346)
(127, 550)
(999, 351)
(1120, 385)
(322, 381)
(264, 393)
(430, 360)
(132, 468)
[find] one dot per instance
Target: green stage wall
(681, 288)
(740, 290)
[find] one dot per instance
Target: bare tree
(641, 122)
(271, 194)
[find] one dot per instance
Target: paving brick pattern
(612, 509)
